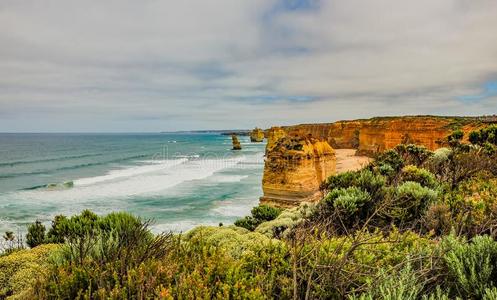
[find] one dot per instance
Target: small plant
(410, 201)
(36, 234)
(457, 135)
(265, 212)
(484, 135)
(349, 200)
(413, 154)
(260, 214)
(54, 234)
(472, 266)
(342, 180)
(390, 158)
(438, 219)
(419, 175)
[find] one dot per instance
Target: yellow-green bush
(338, 265)
(19, 270)
(234, 240)
(419, 175)
(285, 221)
(473, 204)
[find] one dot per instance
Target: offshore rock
(257, 135)
(236, 142)
(295, 167)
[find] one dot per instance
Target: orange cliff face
(295, 167)
(300, 157)
(378, 134)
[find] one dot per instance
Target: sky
(151, 65)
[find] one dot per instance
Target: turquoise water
(177, 180)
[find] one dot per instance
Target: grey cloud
(68, 65)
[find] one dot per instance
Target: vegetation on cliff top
(413, 224)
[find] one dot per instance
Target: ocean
(176, 180)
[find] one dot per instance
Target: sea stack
(294, 169)
(257, 135)
(236, 142)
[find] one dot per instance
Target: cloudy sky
(161, 65)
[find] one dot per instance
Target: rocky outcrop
(300, 157)
(295, 167)
(236, 142)
(257, 135)
(377, 134)
(273, 135)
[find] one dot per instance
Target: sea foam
(146, 180)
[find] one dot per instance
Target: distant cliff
(369, 136)
(300, 157)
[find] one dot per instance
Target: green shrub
(490, 294)
(484, 135)
(472, 266)
(80, 233)
(342, 180)
(349, 200)
(361, 259)
(410, 201)
(456, 135)
(247, 222)
(439, 159)
(402, 285)
(474, 137)
(439, 294)
(260, 214)
(387, 170)
(36, 234)
(489, 148)
(419, 175)
(288, 219)
(100, 254)
(265, 212)
(371, 183)
(234, 240)
(390, 158)
(413, 154)
(54, 234)
(438, 219)
(364, 179)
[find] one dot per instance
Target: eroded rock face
(377, 134)
(295, 167)
(257, 135)
(236, 142)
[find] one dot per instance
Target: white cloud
(159, 65)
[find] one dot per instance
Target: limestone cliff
(299, 158)
(273, 135)
(257, 135)
(377, 134)
(295, 167)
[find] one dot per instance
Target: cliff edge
(370, 136)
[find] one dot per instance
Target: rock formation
(236, 142)
(300, 157)
(273, 135)
(295, 167)
(257, 135)
(377, 134)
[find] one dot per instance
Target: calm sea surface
(177, 180)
